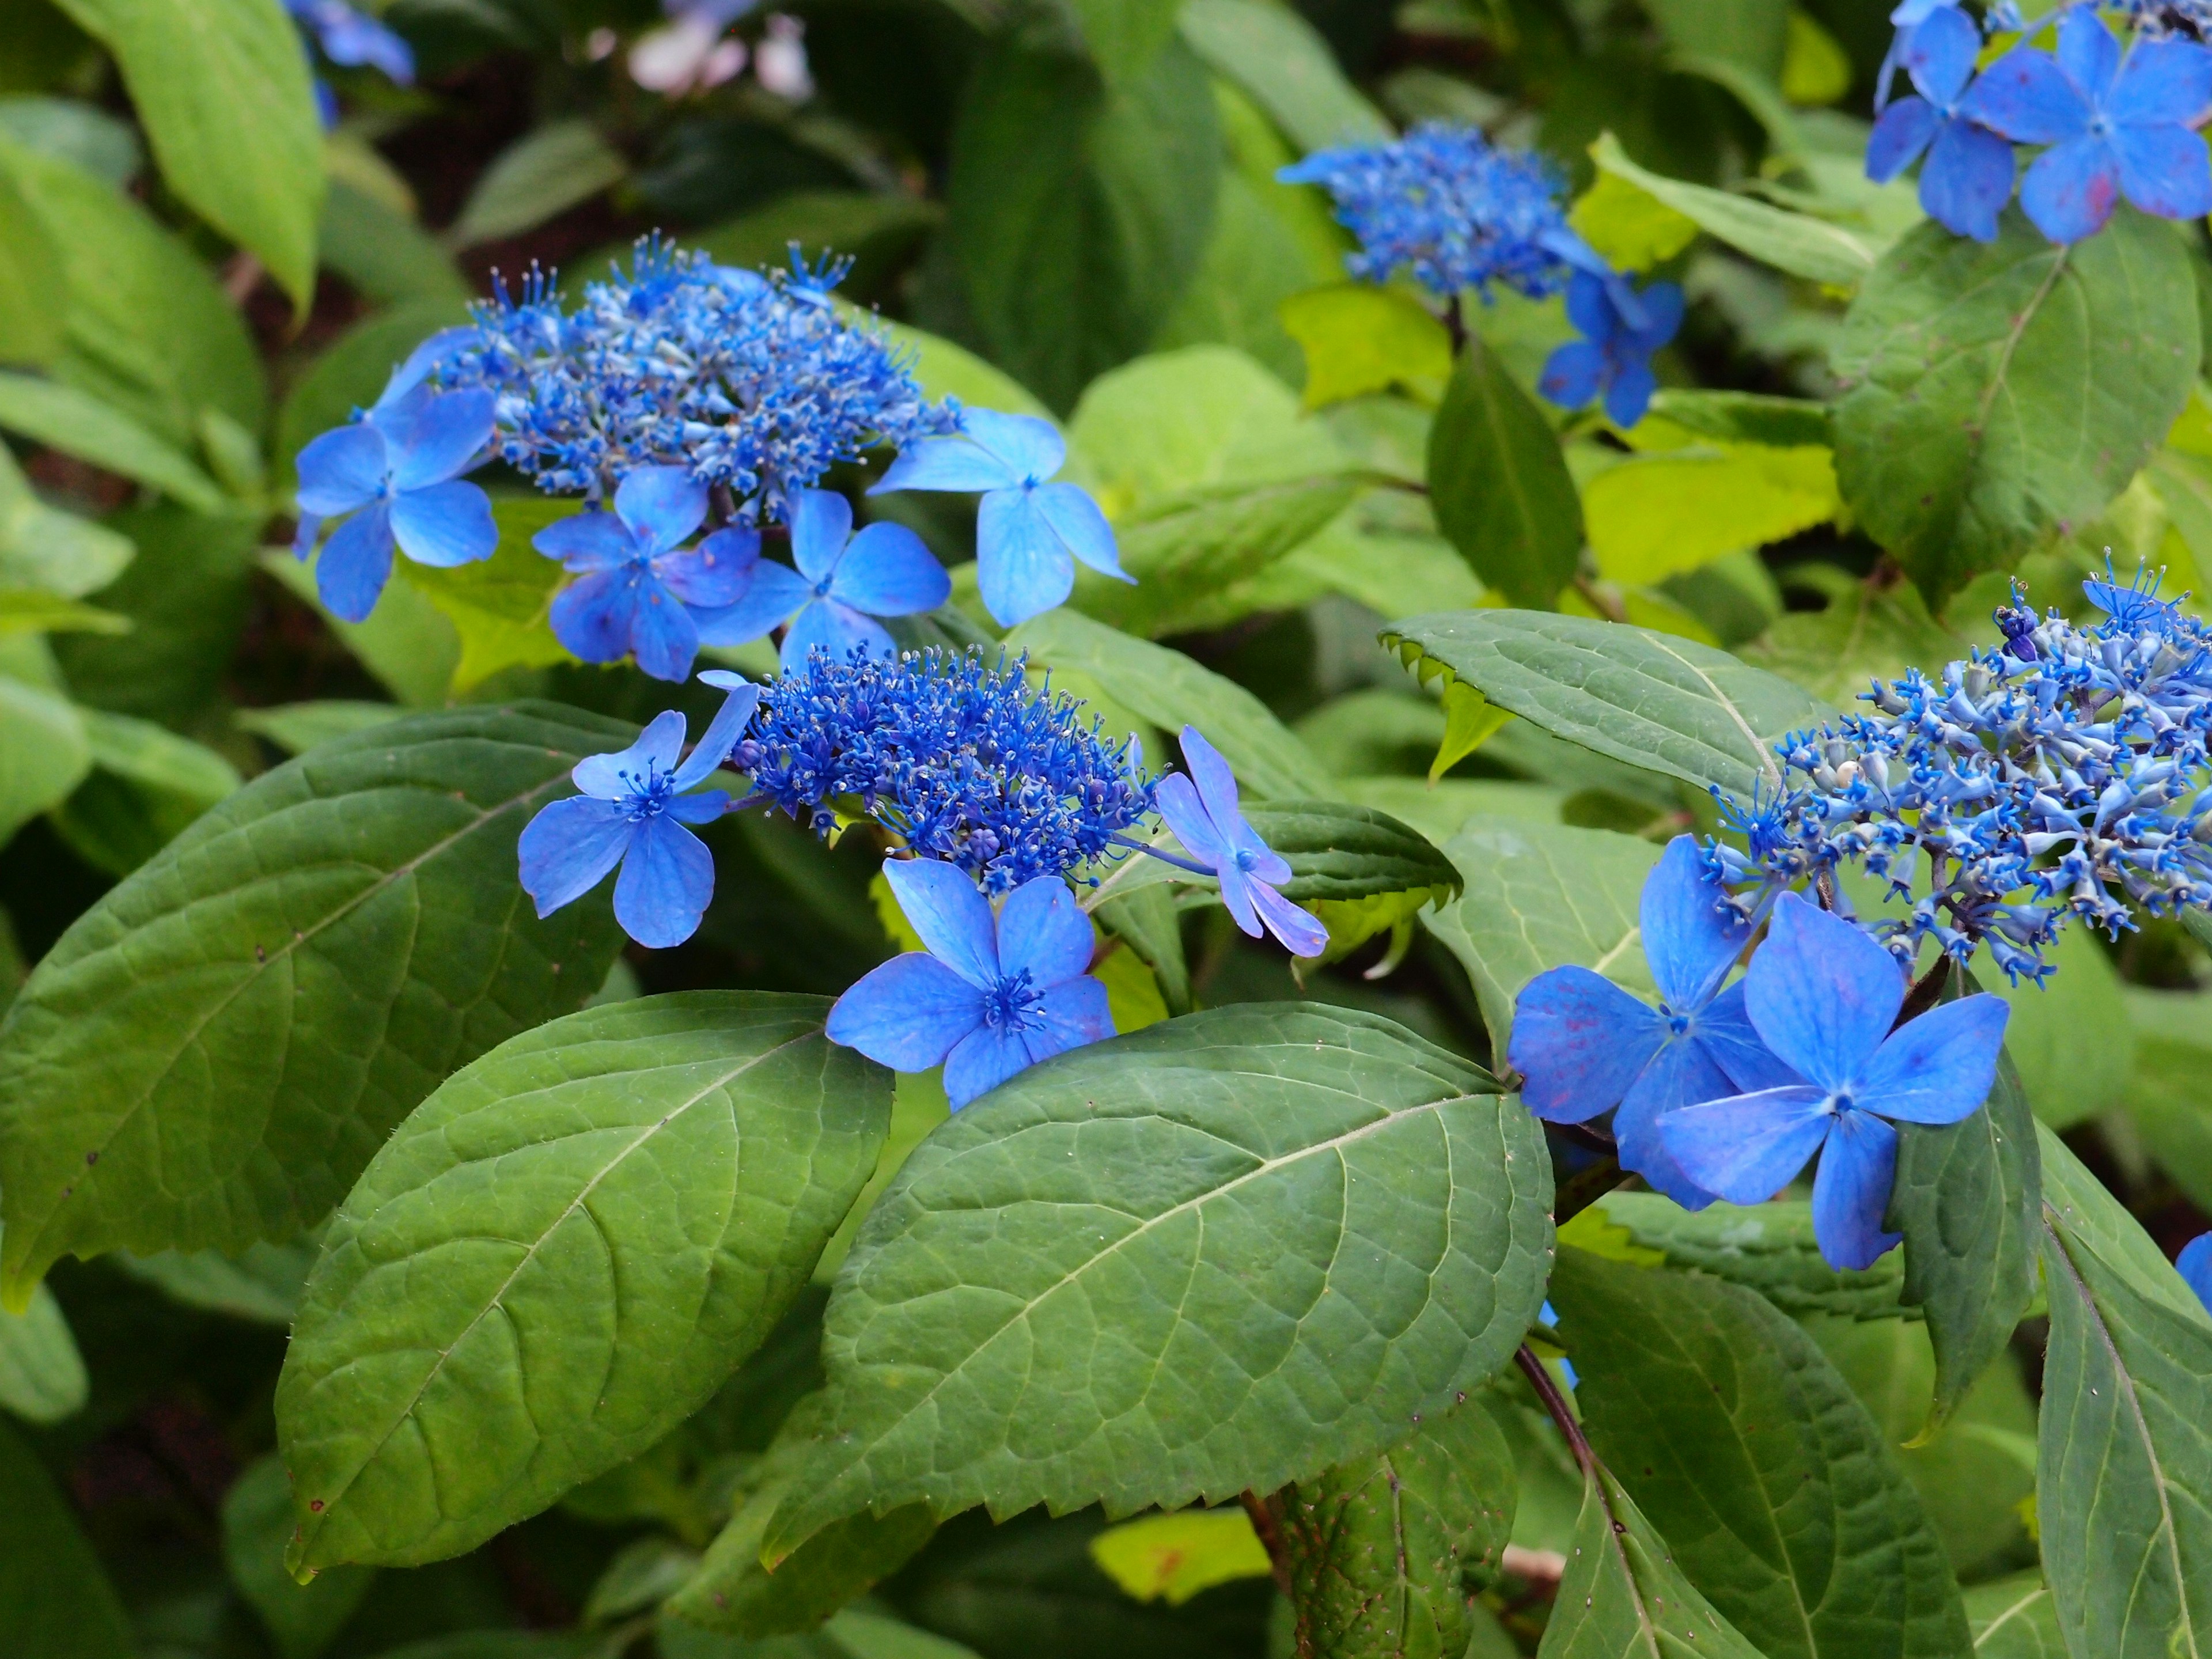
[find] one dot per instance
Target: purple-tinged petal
(820, 525)
(1691, 935)
(2194, 1264)
(608, 776)
(2071, 189)
(355, 563)
(1579, 1043)
(722, 732)
(2087, 51)
(1730, 1037)
(983, 1059)
(592, 616)
(568, 848)
(1081, 527)
(1682, 1073)
(662, 633)
(667, 879)
(702, 578)
(907, 1014)
(1031, 449)
(1186, 816)
(1968, 179)
(949, 463)
(1217, 783)
(772, 593)
(1939, 1067)
(1572, 374)
(2025, 95)
(444, 524)
(838, 629)
(2165, 170)
(1906, 128)
(1069, 1015)
(1298, 929)
(1748, 1147)
(591, 540)
(342, 469)
(1021, 566)
(887, 572)
(1822, 993)
(1851, 1192)
(1042, 928)
(661, 505)
(446, 434)
(2164, 82)
(1940, 57)
(1630, 394)
(1237, 898)
(951, 915)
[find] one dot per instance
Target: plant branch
(1271, 1538)
(1924, 992)
(1586, 1186)
(1556, 1404)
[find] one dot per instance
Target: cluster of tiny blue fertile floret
(964, 760)
(2063, 775)
(756, 383)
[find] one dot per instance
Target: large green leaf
(1227, 1251)
(30, 282)
(2169, 1091)
(224, 91)
(1653, 700)
(2065, 1080)
(1499, 483)
(257, 1523)
(2124, 1489)
(2000, 390)
(55, 1600)
(547, 171)
(1766, 1248)
(1795, 242)
(1278, 57)
(1674, 509)
(2014, 1617)
(77, 423)
(44, 751)
(1361, 871)
(213, 1052)
(559, 1257)
(1751, 1454)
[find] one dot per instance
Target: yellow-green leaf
(1173, 1557)
(1359, 338)
(1653, 515)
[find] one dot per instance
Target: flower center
(1678, 1023)
(1246, 859)
(1839, 1103)
(646, 794)
(1011, 1003)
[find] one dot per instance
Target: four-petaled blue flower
(637, 580)
(398, 471)
(987, 999)
(1823, 996)
(843, 583)
(2195, 1266)
(1029, 532)
(632, 812)
(2116, 127)
(1583, 1046)
(1615, 359)
(1213, 831)
(1906, 15)
(1967, 177)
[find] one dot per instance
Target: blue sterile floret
(1612, 360)
(963, 760)
(2063, 775)
(1967, 176)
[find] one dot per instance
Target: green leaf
(1125, 36)
(1385, 1554)
(160, 760)
(256, 1523)
(1965, 1197)
(31, 306)
(55, 1600)
(1076, 212)
(1470, 720)
(42, 1375)
(1304, 1224)
(2169, 1089)
(1499, 484)
(2123, 1488)
(559, 1257)
(878, 234)
(77, 423)
(943, 369)
(644, 1573)
(1680, 413)
(81, 133)
(1359, 338)
(1999, 390)
(1752, 1457)
(1794, 242)
(296, 727)
(1869, 629)
(1766, 1248)
(1656, 515)
(1172, 1558)
(1539, 895)
(1361, 871)
(1653, 700)
(1147, 921)
(263, 1285)
(147, 787)
(407, 643)
(1285, 65)
(44, 752)
(1167, 688)
(2066, 1081)
(223, 92)
(542, 174)
(2014, 1617)
(213, 1051)
(29, 610)
(1260, 253)
(1754, 33)
(501, 605)
(1628, 227)
(42, 547)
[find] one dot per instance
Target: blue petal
(2194, 1264)
(722, 732)
(1186, 816)
(1748, 1147)
(444, 524)
(2025, 95)
(667, 879)
(772, 594)
(656, 750)
(1630, 394)
(1851, 1192)
(662, 633)
(702, 808)
(1237, 898)
(2166, 82)
(432, 354)
(1682, 1073)
(1572, 374)
(1906, 128)
(908, 1013)
(1692, 936)
(704, 576)
(953, 918)
(1589, 307)
(342, 469)
(1940, 58)
(950, 463)
(837, 628)
(1069, 1015)
(2071, 189)
(568, 848)
(2087, 51)
(592, 617)
(1664, 307)
(1730, 1037)
(1042, 928)
(1939, 1067)
(887, 572)
(1217, 784)
(1031, 449)
(591, 540)
(2165, 170)
(820, 525)
(1021, 566)
(1822, 993)
(661, 505)
(446, 434)
(356, 564)
(1300, 931)
(984, 1058)
(1579, 1042)
(1081, 526)
(1967, 180)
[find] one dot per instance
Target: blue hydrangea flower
(350, 38)
(637, 579)
(843, 584)
(2190, 19)
(633, 812)
(1202, 810)
(1615, 358)
(1905, 16)
(1444, 205)
(2116, 127)
(1823, 996)
(2195, 1266)
(1584, 1046)
(1029, 532)
(1967, 177)
(398, 471)
(988, 997)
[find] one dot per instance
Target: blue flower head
(396, 471)
(351, 38)
(2117, 125)
(1202, 810)
(1823, 997)
(1967, 177)
(1444, 205)
(1613, 359)
(1906, 16)
(1584, 1046)
(637, 582)
(1030, 531)
(2195, 1266)
(843, 584)
(2134, 606)
(988, 997)
(633, 812)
